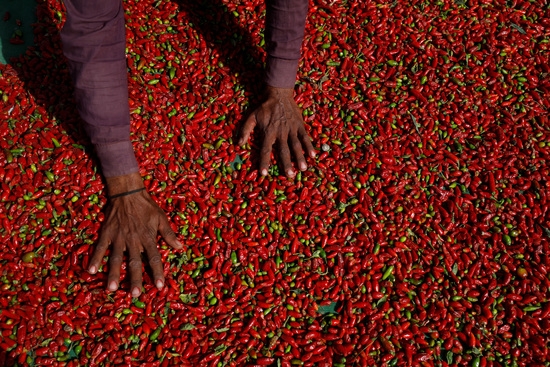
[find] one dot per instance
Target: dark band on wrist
(126, 193)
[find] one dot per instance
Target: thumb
(248, 126)
(168, 234)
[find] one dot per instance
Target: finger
(265, 153)
(297, 149)
(99, 252)
(167, 233)
(136, 268)
(306, 141)
(284, 152)
(155, 262)
(248, 126)
(115, 262)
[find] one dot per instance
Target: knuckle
(150, 234)
(102, 246)
(267, 134)
(296, 145)
(168, 232)
(129, 237)
(285, 153)
(116, 259)
(135, 263)
(298, 117)
(155, 260)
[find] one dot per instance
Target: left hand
(280, 120)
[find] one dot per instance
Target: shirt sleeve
(285, 24)
(94, 43)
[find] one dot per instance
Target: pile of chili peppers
(419, 236)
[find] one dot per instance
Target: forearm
(285, 24)
(94, 44)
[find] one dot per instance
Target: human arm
(278, 117)
(94, 44)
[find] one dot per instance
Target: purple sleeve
(94, 43)
(285, 24)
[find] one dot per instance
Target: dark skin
(132, 222)
(280, 121)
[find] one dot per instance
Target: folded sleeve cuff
(117, 159)
(281, 73)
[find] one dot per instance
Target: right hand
(131, 224)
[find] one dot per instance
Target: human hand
(131, 224)
(281, 122)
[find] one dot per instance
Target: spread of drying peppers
(419, 236)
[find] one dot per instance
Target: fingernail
(290, 172)
(135, 292)
(178, 243)
(159, 283)
(313, 154)
(112, 286)
(92, 269)
(303, 166)
(264, 172)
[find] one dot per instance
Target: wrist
(279, 92)
(122, 184)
